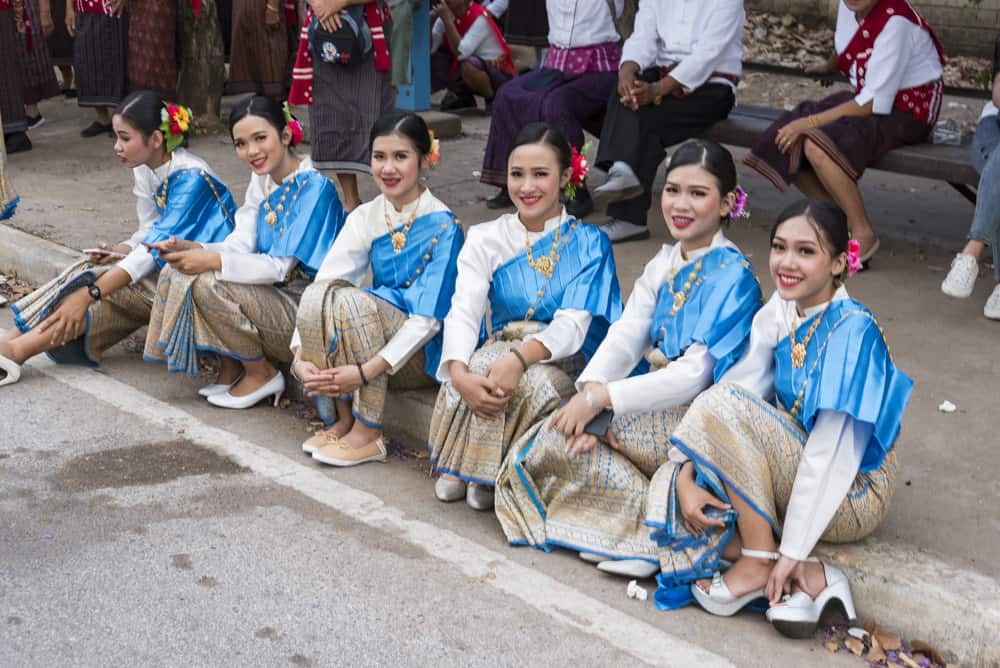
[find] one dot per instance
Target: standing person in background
(469, 56)
(344, 100)
(258, 61)
(527, 21)
(36, 66)
(100, 50)
(53, 16)
(571, 86)
(152, 46)
(985, 229)
(15, 121)
(678, 76)
(8, 198)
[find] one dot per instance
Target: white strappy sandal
(719, 600)
(798, 615)
(12, 370)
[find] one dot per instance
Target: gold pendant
(161, 201)
(271, 218)
(545, 266)
(798, 355)
(398, 241)
(679, 299)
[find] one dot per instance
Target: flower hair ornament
(175, 120)
(580, 168)
(434, 155)
(854, 264)
(293, 124)
(739, 209)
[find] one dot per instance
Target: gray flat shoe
(479, 497)
(449, 489)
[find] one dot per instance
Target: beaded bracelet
(518, 355)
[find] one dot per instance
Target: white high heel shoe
(798, 615)
(719, 600)
(12, 369)
(274, 387)
(217, 388)
(629, 568)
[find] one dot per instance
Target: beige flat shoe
(339, 453)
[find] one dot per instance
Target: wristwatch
(95, 292)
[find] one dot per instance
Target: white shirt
(989, 109)
(697, 37)
(350, 257)
(835, 447)
(577, 23)
(497, 7)
(487, 247)
(241, 261)
(903, 56)
(479, 40)
(628, 341)
(147, 182)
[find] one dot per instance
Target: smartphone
(149, 247)
(103, 251)
(600, 424)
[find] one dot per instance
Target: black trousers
(640, 138)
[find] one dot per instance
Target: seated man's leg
(576, 99)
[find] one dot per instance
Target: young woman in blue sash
(97, 302)
(236, 298)
(353, 344)
(763, 481)
(550, 283)
(570, 484)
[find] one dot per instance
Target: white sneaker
(622, 184)
(620, 230)
(992, 308)
(961, 278)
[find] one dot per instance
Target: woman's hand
(124, 249)
(45, 19)
(70, 19)
(693, 498)
(479, 393)
(69, 321)
(789, 134)
(786, 575)
(173, 244)
(193, 261)
(116, 7)
(328, 12)
(506, 372)
(341, 381)
(578, 445)
(571, 419)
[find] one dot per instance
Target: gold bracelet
(812, 121)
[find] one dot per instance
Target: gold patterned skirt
(595, 502)
(737, 439)
(198, 314)
(108, 321)
(343, 325)
(8, 197)
(472, 448)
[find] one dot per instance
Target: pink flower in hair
(853, 257)
(740, 204)
(296, 127)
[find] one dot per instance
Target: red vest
(922, 102)
(504, 63)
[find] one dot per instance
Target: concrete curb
(897, 586)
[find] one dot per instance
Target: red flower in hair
(579, 169)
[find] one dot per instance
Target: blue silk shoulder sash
(584, 279)
(301, 219)
(718, 308)
(847, 369)
(197, 208)
(420, 278)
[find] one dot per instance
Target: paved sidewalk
(929, 571)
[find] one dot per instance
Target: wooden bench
(930, 161)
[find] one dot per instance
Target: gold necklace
(271, 217)
(398, 236)
(799, 349)
(546, 264)
(161, 192)
(680, 298)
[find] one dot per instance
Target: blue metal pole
(417, 95)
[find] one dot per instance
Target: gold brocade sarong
(8, 197)
(752, 447)
(199, 313)
(593, 503)
(343, 325)
(109, 320)
(472, 448)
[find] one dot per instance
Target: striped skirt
(195, 314)
(38, 74)
(347, 100)
(109, 320)
(595, 502)
(11, 77)
(152, 47)
(472, 448)
(341, 325)
(100, 52)
(8, 197)
(739, 441)
(259, 53)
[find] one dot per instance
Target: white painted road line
(546, 594)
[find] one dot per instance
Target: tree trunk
(203, 70)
